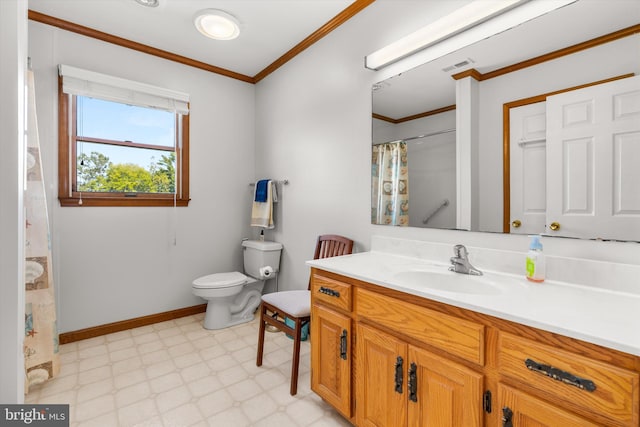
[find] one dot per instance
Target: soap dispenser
(535, 266)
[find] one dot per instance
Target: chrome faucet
(460, 262)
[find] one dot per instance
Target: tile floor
(177, 373)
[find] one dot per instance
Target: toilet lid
(220, 280)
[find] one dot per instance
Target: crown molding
(321, 32)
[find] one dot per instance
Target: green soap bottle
(535, 266)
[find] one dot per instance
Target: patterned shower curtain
(41, 333)
(390, 184)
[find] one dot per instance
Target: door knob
(516, 223)
(555, 226)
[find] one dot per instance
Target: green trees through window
(113, 153)
(96, 173)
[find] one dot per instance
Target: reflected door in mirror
(593, 161)
(527, 167)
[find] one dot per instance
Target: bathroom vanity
(389, 349)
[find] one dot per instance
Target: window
(121, 143)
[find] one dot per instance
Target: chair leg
(295, 363)
(263, 312)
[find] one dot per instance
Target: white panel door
(593, 161)
(527, 127)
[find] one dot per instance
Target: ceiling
(272, 28)
(269, 28)
(428, 87)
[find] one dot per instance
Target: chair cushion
(296, 303)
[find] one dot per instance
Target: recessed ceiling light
(217, 24)
(148, 3)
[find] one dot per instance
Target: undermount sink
(448, 281)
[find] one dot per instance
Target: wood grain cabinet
(566, 379)
(399, 385)
(331, 351)
(385, 358)
(521, 409)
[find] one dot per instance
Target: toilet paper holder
(267, 272)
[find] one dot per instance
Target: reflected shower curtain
(41, 333)
(390, 184)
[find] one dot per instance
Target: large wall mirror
(468, 141)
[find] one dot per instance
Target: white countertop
(599, 316)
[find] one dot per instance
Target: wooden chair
(296, 305)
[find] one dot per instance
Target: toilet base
(229, 311)
(213, 323)
(219, 317)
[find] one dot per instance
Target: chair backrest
(330, 245)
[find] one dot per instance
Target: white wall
(432, 181)
(118, 263)
(313, 123)
(13, 51)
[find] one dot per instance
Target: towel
(261, 190)
(262, 212)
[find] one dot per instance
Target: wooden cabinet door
(331, 357)
(381, 380)
(442, 393)
(524, 410)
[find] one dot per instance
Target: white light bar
(478, 20)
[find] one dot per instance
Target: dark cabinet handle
(507, 414)
(399, 375)
(486, 401)
(413, 383)
(343, 345)
(560, 375)
(329, 291)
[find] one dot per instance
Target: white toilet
(233, 297)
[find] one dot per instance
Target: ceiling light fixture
(465, 23)
(148, 3)
(217, 24)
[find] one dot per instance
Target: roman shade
(76, 81)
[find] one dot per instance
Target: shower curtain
(41, 333)
(390, 184)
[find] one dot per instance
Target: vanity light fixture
(498, 15)
(217, 24)
(148, 3)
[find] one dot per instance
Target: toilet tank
(258, 254)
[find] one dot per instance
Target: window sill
(104, 201)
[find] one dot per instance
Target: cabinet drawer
(331, 292)
(592, 385)
(527, 410)
(456, 336)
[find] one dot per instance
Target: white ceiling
(269, 28)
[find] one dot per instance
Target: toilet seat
(220, 280)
